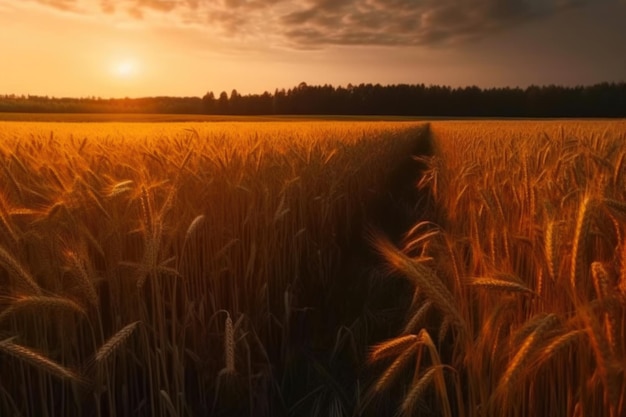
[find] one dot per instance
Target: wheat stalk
(516, 365)
(117, 340)
(6, 226)
(35, 302)
(85, 279)
(120, 188)
(583, 221)
(559, 343)
(229, 346)
(146, 211)
(191, 230)
(444, 327)
(616, 205)
(551, 239)
(391, 347)
(418, 389)
(500, 285)
(412, 325)
(396, 367)
(38, 360)
(605, 361)
(600, 279)
(424, 277)
(621, 285)
(13, 267)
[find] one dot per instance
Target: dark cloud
(318, 23)
(408, 22)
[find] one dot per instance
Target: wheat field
(231, 268)
(519, 274)
(159, 269)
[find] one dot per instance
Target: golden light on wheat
(192, 269)
(529, 253)
(122, 245)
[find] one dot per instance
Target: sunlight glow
(125, 68)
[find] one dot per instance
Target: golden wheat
(18, 272)
(229, 346)
(417, 390)
(38, 360)
(40, 302)
(115, 342)
(580, 238)
(424, 277)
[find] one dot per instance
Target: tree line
(599, 100)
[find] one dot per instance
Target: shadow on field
(364, 304)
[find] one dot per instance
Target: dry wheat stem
(38, 360)
(583, 221)
(551, 239)
(559, 343)
(395, 368)
(523, 354)
(417, 390)
(85, 279)
(605, 361)
(499, 285)
(391, 347)
(424, 277)
(229, 346)
(16, 270)
(413, 323)
(36, 302)
(114, 343)
(600, 279)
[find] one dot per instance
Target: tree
(222, 103)
(209, 104)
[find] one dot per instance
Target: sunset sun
(126, 68)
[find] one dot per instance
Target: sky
(140, 48)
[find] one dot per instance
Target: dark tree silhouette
(600, 100)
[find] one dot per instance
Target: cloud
(305, 24)
(408, 22)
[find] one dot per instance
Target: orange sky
(133, 48)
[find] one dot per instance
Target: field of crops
(183, 269)
(520, 273)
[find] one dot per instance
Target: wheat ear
(394, 369)
(191, 230)
(500, 285)
(6, 227)
(115, 342)
(38, 301)
(418, 389)
(621, 285)
(411, 326)
(600, 279)
(583, 222)
(524, 353)
(391, 347)
(13, 267)
(559, 343)
(551, 239)
(85, 280)
(38, 360)
(424, 278)
(229, 346)
(607, 368)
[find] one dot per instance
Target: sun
(126, 68)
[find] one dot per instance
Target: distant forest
(600, 100)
